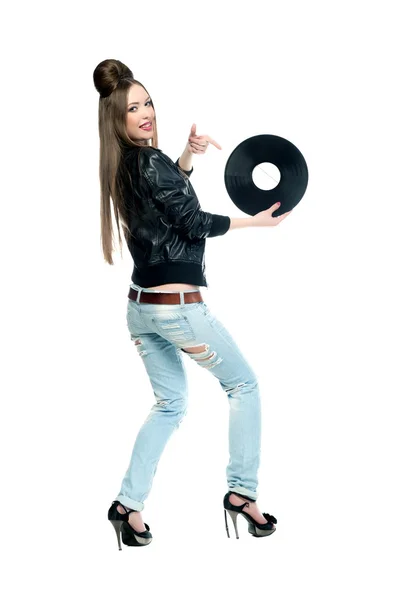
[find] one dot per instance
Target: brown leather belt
(165, 297)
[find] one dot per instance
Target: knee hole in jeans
(196, 349)
(202, 348)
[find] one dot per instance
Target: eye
(149, 102)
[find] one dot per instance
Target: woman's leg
(168, 379)
(196, 331)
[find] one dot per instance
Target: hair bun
(108, 74)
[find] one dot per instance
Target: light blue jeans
(160, 332)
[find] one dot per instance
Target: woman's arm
(188, 173)
(241, 222)
(185, 161)
(177, 200)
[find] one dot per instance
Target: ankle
(125, 510)
(234, 499)
(240, 497)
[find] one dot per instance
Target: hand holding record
(264, 218)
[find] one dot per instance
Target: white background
(312, 304)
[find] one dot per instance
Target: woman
(165, 230)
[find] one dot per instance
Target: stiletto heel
(225, 520)
(233, 516)
(120, 521)
(255, 528)
(117, 525)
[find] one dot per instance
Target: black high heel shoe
(130, 537)
(255, 528)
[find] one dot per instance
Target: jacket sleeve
(176, 199)
(188, 173)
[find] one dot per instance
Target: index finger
(211, 141)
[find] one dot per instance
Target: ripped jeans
(161, 332)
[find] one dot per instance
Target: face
(139, 112)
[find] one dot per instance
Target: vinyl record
(258, 149)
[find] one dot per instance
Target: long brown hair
(113, 79)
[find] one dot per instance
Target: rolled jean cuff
(129, 503)
(245, 492)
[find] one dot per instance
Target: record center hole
(266, 176)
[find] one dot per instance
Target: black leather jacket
(168, 227)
